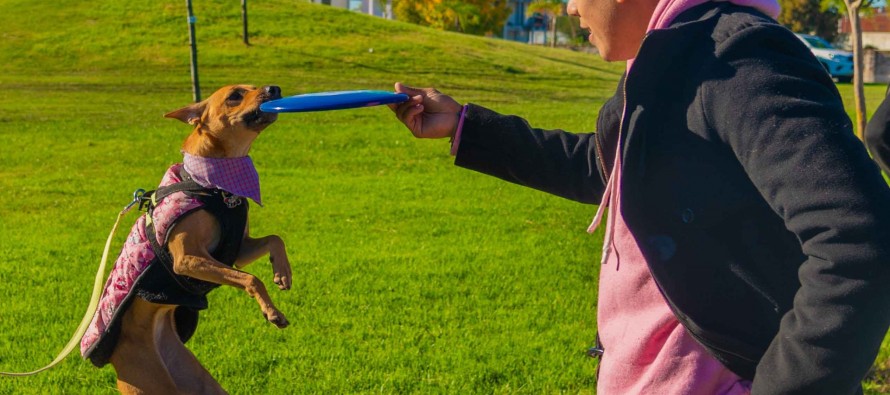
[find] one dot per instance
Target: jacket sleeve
(554, 161)
(877, 135)
(782, 117)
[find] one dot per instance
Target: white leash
(94, 299)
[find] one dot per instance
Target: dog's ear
(190, 114)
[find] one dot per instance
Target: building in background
(519, 26)
(515, 29)
(531, 29)
(380, 8)
(876, 45)
(875, 30)
(335, 3)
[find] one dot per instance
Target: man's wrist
(455, 138)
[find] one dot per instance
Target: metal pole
(196, 88)
(244, 18)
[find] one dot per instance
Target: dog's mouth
(257, 118)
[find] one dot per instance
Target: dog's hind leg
(139, 367)
(150, 358)
(185, 369)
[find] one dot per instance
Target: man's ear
(190, 114)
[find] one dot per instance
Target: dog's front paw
(281, 271)
(277, 318)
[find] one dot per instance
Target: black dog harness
(159, 283)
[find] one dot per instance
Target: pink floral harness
(143, 271)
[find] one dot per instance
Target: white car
(839, 63)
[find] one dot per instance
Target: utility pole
(196, 89)
(244, 19)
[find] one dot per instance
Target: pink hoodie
(647, 350)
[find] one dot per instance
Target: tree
(478, 17)
(816, 17)
(553, 9)
(571, 27)
(853, 8)
(819, 17)
(408, 11)
(460, 15)
(484, 17)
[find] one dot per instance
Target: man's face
(616, 27)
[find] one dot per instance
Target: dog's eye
(234, 97)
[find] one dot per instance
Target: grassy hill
(412, 276)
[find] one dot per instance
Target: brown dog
(149, 356)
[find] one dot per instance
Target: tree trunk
(553, 32)
(858, 89)
(574, 31)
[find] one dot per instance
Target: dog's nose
(273, 91)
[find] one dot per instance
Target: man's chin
(610, 55)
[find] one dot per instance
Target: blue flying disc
(336, 100)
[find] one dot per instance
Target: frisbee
(336, 100)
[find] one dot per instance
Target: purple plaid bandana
(237, 176)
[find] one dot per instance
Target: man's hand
(428, 113)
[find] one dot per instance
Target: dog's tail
(94, 299)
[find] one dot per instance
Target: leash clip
(138, 197)
(231, 200)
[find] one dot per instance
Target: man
(748, 244)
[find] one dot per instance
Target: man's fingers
(410, 115)
(412, 100)
(401, 109)
(402, 88)
(413, 112)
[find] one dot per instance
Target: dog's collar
(237, 176)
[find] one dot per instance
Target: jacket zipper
(673, 307)
(602, 162)
(606, 174)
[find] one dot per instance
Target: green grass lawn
(412, 275)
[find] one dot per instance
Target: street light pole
(196, 89)
(244, 19)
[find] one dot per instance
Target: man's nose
(572, 8)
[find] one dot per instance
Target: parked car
(838, 62)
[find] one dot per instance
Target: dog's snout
(273, 91)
